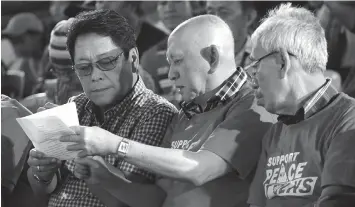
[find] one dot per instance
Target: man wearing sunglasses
(102, 47)
(307, 157)
(212, 146)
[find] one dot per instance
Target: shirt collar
(313, 104)
(229, 89)
(137, 89)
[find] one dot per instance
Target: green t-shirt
(298, 160)
(232, 131)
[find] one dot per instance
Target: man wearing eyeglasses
(102, 47)
(307, 157)
(212, 146)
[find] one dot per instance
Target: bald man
(213, 143)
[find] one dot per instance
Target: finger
(87, 161)
(80, 176)
(76, 147)
(77, 129)
(71, 138)
(41, 109)
(42, 162)
(36, 154)
(84, 170)
(44, 169)
(83, 153)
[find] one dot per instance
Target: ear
(285, 63)
(211, 55)
(251, 16)
(133, 58)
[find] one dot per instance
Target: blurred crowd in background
(36, 67)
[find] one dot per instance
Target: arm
(216, 157)
(344, 12)
(338, 176)
(130, 184)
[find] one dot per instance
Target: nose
(173, 74)
(96, 74)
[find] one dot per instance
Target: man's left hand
(92, 141)
(93, 170)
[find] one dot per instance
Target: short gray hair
(298, 31)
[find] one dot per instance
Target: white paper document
(46, 127)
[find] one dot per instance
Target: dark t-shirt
(298, 160)
(233, 132)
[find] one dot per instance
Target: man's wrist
(116, 140)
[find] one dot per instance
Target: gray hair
(298, 31)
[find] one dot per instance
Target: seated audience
(307, 157)
(25, 31)
(211, 147)
(239, 15)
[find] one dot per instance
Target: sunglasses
(104, 64)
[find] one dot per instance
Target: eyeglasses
(255, 63)
(104, 64)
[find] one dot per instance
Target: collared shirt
(141, 116)
(315, 103)
(229, 88)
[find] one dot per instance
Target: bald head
(201, 55)
(203, 31)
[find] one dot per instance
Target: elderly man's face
(172, 13)
(103, 87)
(231, 12)
(272, 90)
(187, 68)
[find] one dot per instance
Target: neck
(302, 89)
(214, 83)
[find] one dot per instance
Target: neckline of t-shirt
(319, 113)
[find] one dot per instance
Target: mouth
(99, 90)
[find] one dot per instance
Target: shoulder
(345, 107)
(152, 104)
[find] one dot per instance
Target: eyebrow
(97, 57)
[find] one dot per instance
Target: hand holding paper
(46, 127)
(92, 141)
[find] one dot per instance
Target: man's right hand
(43, 167)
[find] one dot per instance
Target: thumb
(87, 161)
(77, 129)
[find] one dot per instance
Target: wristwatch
(123, 148)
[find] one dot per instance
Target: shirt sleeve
(238, 138)
(150, 132)
(339, 165)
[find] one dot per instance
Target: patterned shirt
(229, 88)
(316, 102)
(141, 116)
